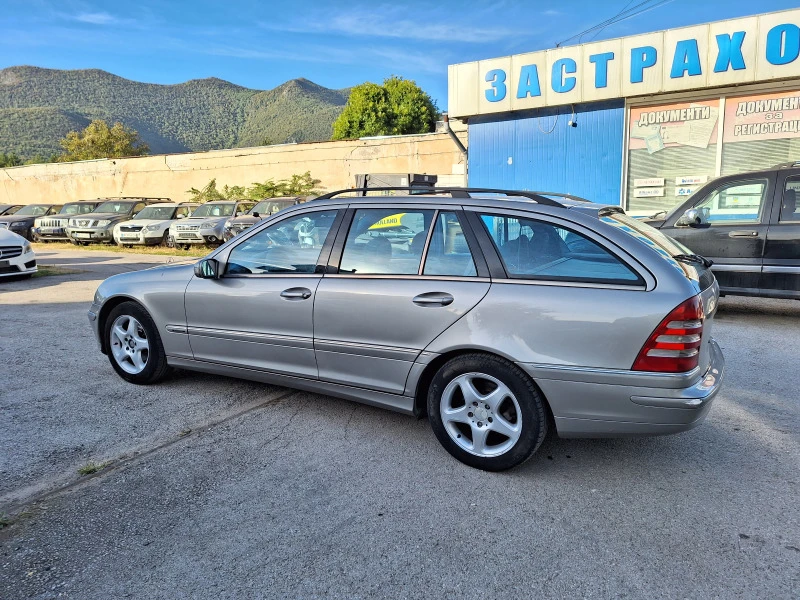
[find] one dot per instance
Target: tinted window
(114, 207)
(33, 210)
(76, 209)
(291, 246)
(533, 249)
(734, 202)
(214, 210)
(160, 213)
(386, 241)
(789, 210)
(448, 252)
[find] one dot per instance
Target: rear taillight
(674, 347)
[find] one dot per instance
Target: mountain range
(39, 106)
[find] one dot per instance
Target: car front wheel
(486, 412)
(134, 346)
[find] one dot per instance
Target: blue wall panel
(538, 150)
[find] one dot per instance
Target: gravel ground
(227, 489)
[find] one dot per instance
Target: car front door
(259, 313)
(781, 272)
(400, 276)
(734, 219)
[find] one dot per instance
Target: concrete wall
(170, 175)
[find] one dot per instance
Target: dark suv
(749, 225)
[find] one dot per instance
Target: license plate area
(4, 264)
(83, 235)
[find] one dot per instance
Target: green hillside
(38, 106)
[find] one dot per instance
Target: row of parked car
(133, 221)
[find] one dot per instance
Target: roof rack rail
(538, 197)
(787, 165)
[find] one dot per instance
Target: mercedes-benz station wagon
(497, 315)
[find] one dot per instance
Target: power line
(624, 14)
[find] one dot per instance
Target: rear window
(656, 239)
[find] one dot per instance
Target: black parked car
(749, 225)
(21, 222)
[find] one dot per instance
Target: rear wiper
(693, 258)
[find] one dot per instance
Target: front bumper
(93, 313)
(92, 234)
(139, 238)
(628, 403)
(24, 264)
(51, 233)
(199, 236)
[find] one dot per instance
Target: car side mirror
(693, 217)
(181, 216)
(208, 268)
(256, 215)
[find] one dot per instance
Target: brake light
(674, 346)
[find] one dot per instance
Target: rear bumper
(634, 404)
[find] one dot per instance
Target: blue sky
(336, 44)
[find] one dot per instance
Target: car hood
(244, 220)
(9, 238)
(201, 219)
(15, 218)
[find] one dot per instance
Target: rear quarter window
(538, 250)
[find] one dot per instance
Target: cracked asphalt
(218, 488)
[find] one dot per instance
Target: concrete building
(639, 121)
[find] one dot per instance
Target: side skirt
(395, 402)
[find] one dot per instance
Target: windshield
(159, 213)
(114, 206)
(268, 207)
(33, 210)
(76, 209)
(214, 210)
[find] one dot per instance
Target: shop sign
(691, 180)
(651, 182)
(684, 191)
(683, 124)
(737, 51)
(762, 117)
(648, 192)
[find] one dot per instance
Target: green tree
(98, 140)
(9, 160)
(208, 194)
(397, 107)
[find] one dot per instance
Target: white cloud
(98, 18)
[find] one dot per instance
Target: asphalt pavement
(227, 489)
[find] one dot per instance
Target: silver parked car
(498, 317)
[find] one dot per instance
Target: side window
(448, 252)
(734, 202)
(138, 207)
(182, 211)
(290, 246)
(386, 241)
(533, 249)
(789, 210)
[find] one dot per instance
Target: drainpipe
(457, 142)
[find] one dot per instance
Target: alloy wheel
(129, 345)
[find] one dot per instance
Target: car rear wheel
(168, 241)
(486, 412)
(134, 346)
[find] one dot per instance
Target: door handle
(433, 299)
(297, 293)
(736, 234)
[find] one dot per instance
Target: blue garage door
(538, 150)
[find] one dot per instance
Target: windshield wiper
(694, 258)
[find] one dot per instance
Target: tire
(512, 428)
(136, 329)
(167, 242)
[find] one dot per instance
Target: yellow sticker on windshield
(390, 221)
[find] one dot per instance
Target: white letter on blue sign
(642, 58)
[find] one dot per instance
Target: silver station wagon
(499, 315)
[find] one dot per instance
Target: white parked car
(16, 255)
(151, 225)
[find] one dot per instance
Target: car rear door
(259, 313)
(781, 272)
(398, 277)
(735, 215)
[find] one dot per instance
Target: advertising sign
(684, 124)
(737, 51)
(762, 117)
